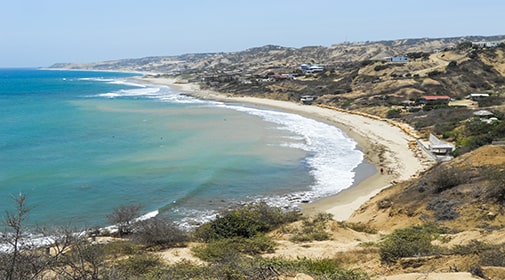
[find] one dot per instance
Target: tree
(84, 260)
(13, 238)
(159, 231)
(61, 251)
(24, 257)
(123, 217)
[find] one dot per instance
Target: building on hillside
(485, 116)
(484, 44)
(477, 96)
(309, 68)
(307, 99)
(435, 99)
(398, 59)
(439, 147)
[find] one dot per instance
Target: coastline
(385, 145)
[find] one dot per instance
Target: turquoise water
(79, 144)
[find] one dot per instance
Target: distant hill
(277, 56)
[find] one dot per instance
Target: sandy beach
(389, 146)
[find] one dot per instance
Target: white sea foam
(127, 83)
(148, 216)
(161, 93)
(96, 79)
(333, 155)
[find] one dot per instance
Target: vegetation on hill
(450, 219)
(230, 247)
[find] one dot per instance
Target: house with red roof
(435, 99)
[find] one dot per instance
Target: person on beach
(382, 170)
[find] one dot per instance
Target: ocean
(80, 143)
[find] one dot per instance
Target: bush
(319, 269)
(139, 265)
(490, 255)
(123, 217)
(494, 256)
(314, 229)
(393, 114)
(159, 232)
(452, 64)
(443, 209)
(409, 242)
(496, 187)
(381, 67)
(491, 101)
(443, 178)
(246, 222)
(434, 73)
(224, 250)
(360, 227)
(258, 268)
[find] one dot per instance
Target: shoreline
(384, 145)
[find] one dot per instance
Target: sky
(38, 33)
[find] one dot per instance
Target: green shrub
(491, 101)
(393, 114)
(359, 227)
(139, 264)
(381, 67)
(443, 208)
(256, 268)
(409, 242)
(495, 256)
(489, 254)
(434, 73)
(246, 222)
(496, 187)
(222, 250)
(119, 248)
(314, 229)
(443, 178)
(474, 247)
(319, 269)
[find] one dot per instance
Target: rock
(303, 276)
(491, 215)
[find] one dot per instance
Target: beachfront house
(307, 99)
(435, 100)
(439, 147)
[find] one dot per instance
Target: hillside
(448, 222)
(272, 57)
(464, 196)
